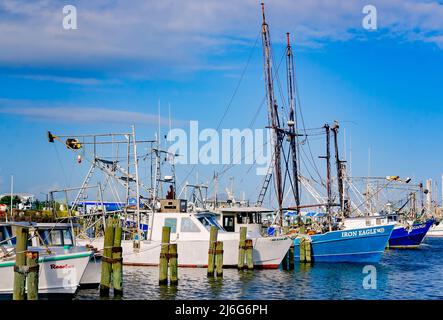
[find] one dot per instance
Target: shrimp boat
(55, 243)
(60, 273)
(331, 244)
(436, 231)
(190, 230)
(406, 234)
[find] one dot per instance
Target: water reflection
(399, 276)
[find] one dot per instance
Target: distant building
(26, 199)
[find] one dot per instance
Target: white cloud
(185, 34)
(70, 80)
(73, 114)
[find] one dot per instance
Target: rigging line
(297, 94)
(372, 196)
(234, 93)
(274, 77)
(239, 83)
(61, 165)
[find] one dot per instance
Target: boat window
(67, 237)
(172, 223)
(228, 223)
(208, 221)
(245, 218)
(368, 222)
(188, 226)
(378, 221)
(52, 237)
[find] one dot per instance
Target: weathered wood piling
(173, 264)
(106, 275)
(249, 256)
(164, 253)
(211, 251)
(20, 263)
(32, 276)
(288, 260)
(291, 257)
(112, 260)
(241, 248)
(219, 258)
(117, 265)
(305, 250)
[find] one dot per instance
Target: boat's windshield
(207, 221)
(6, 237)
(57, 237)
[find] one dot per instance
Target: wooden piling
(173, 263)
(249, 256)
(291, 257)
(20, 262)
(211, 252)
(241, 248)
(308, 251)
(219, 258)
(105, 281)
(32, 277)
(284, 263)
(302, 250)
(164, 251)
(117, 265)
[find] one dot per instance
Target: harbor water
(402, 274)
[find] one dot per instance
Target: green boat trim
(55, 258)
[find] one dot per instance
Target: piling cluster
(305, 250)
(168, 259)
(112, 260)
(245, 248)
(26, 269)
(215, 254)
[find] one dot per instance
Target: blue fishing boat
(408, 237)
(364, 245)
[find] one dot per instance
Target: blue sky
(383, 86)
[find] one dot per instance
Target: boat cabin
(370, 221)
(232, 219)
(49, 234)
(184, 226)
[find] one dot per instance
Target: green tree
(7, 200)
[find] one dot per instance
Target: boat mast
(137, 186)
(273, 119)
(292, 122)
(328, 173)
(339, 167)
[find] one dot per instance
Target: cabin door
(229, 223)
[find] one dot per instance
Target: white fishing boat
(190, 231)
(59, 272)
(59, 238)
(436, 230)
(64, 266)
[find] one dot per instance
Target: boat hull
(403, 238)
(436, 231)
(58, 274)
(365, 245)
(267, 252)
